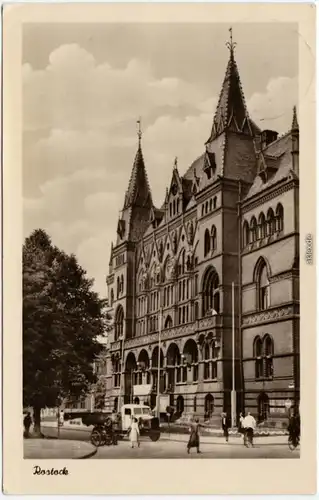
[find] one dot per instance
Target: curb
(223, 442)
(89, 455)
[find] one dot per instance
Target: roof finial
(139, 130)
(231, 45)
(175, 163)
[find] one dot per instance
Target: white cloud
(273, 108)
(76, 92)
(85, 161)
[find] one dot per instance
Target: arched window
(203, 208)
(118, 323)
(168, 322)
(280, 217)
(215, 202)
(182, 262)
(258, 352)
(206, 243)
(268, 353)
(207, 364)
(195, 404)
(118, 287)
(196, 310)
(263, 407)
(271, 222)
(112, 297)
(245, 234)
(210, 205)
(206, 207)
(263, 288)
(117, 373)
(262, 226)
(253, 230)
(211, 292)
(122, 284)
(214, 238)
(190, 357)
(209, 406)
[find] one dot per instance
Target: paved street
(165, 448)
(173, 449)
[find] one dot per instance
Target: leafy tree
(62, 320)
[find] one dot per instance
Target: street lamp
(159, 363)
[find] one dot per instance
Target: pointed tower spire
(138, 192)
(295, 124)
(295, 142)
(231, 112)
(111, 255)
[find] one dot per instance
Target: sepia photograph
(175, 187)
(161, 243)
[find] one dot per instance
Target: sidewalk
(236, 439)
(55, 448)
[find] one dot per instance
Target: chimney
(267, 137)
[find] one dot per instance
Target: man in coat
(225, 425)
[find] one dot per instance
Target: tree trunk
(37, 422)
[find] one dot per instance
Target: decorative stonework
(269, 194)
(178, 331)
(270, 315)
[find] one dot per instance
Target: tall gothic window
(245, 234)
(262, 226)
(271, 222)
(118, 323)
(280, 218)
(263, 288)
(258, 352)
(253, 230)
(263, 354)
(268, 353)
(211, 292)
(206, 243)
(214, 238)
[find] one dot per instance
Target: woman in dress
(134, 433)
(193, 441)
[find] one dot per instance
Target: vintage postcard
(159, 226)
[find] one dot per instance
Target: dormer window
(121, 228)
(174, 189)
(210, 164)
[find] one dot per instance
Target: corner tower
(133, 221)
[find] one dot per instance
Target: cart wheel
(155, 435)
(96, 438)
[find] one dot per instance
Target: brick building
(233, 217)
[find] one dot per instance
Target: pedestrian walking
(193, 441)
(134, 433)
(225, 425)
(294, 429)
(241, 429)
(27, 421)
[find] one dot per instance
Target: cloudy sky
(84, 87)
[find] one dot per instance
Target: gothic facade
(233, 217)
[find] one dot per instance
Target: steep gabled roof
(138, 192)
(231, 112)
